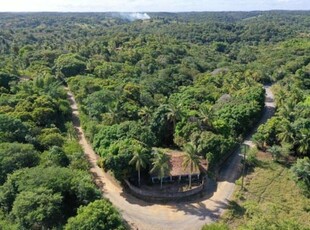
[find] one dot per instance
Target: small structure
(177, 172)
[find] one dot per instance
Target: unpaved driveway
(176, 216)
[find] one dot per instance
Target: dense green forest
(165, 82)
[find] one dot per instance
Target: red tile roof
(176, 164)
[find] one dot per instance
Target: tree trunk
(174, 124)
(161, 182)
(190, 177)
(139, 177)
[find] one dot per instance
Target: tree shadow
(208, 191)
(200, 209)
(77, 125)
(210, 188)
(284, 163)
(134, 200)
(98, 180)
(225, 173)
(262, 164)
(195, 208)
(236, 209)
(269, 99)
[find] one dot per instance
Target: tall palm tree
(287, 110)
(304, 141)
(191, 160)
(113, 116)
(173, 114)
(160, 163)
(281, 97)
(139, 159)
(286, 132)
(206, 115)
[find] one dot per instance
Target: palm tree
(113, 116)
(286, 132)
(281, 97)
(173, 114)
(160, 164)
(304, 141)
(287, 110)
(139, 159)
(145, 113)
(191, 160)
(206, 115)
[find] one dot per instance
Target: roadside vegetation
(270, 200)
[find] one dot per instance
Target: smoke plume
(134, 16)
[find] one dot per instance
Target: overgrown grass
(270, 200)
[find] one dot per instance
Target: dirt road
(182, 216)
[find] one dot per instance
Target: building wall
(163, 196)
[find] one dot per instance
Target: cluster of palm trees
(160, 162)
(291, 113)
(288, 131)
(289, 134)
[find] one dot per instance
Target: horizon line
(191, 11)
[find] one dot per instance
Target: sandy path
(182, 216)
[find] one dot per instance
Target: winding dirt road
(184, 215)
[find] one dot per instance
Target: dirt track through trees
(184, 215)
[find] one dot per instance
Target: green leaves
(51, 137)
(301, 171)
(160, 165)
(11, 129)
(239, 112)
(98, 103)
(55, 156)
(99, 215)
(15, 156)
(37, 208)
(126, 130)
(190, 159)
(75, 187)
(118, 156)
(70, 65)
(139, 159)
(275, 151)
(6, 80)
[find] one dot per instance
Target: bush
(215, 226)
(99, 215)
(301, 171)
(39, 208)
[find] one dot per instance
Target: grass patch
(271, 199)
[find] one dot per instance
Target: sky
(151, 5)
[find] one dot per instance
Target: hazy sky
(151, 5)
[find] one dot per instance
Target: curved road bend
(182, 216)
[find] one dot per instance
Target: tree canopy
(99, 214)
